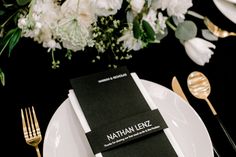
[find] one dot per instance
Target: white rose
(137, 5)
(199, 50)
(106, 7)
(174, 7)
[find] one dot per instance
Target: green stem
(53, 59)
(170, 25)
(55, 64)
(4, 47)
(195, 14)
(2, 25)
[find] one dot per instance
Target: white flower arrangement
(118, 27)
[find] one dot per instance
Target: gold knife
(178, 90)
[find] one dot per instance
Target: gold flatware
(200, 87)
(177, 88)
(214, 29)
(31, 130)
(175, 85)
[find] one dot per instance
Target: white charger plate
(65, 137)
(227, 8)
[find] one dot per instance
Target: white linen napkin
(152, 105)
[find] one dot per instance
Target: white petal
(199, 50)
(203, 43)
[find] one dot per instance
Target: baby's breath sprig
(106, 32)
(55, 63)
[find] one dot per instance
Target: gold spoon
(200, 87)
(216, 30)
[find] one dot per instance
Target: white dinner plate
(227, 8)
(231, 1)
(65, 137)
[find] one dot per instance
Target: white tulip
(199, 50)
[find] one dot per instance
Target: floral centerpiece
(117, 27)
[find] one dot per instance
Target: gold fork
(31, 128)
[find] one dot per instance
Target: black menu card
(120, 120)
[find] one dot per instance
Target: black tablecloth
(31, 81)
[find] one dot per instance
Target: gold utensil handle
(214, 29)
(38, 151)
(211, 107)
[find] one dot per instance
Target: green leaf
(136, 28)
(186, 30)
(208, 35)
(22, 2)
(148, 30)
(2, 77)
(10, 39)
(8, 35)
(14, 40)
